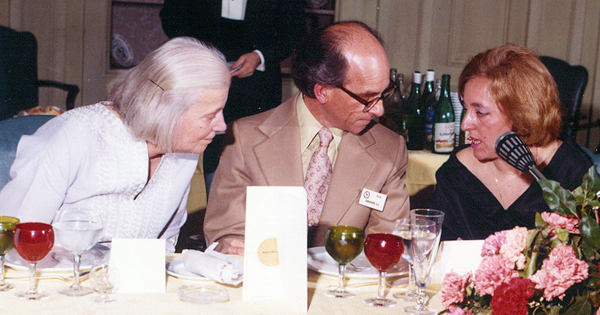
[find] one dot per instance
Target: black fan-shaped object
(511, 148)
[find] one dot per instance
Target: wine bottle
(428, 109)
(414, 120)
(392, 117)
(464, 134)
(443, 120)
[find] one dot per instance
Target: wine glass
(424, 247)
(383, 251)
(402, 229)
(7, 228)
(77, 230)
(437, 217)
(104, 277)
(343, 243)
(33, 241)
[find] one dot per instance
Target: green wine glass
(343, 243)
(7, 228)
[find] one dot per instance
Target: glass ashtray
(202, 294)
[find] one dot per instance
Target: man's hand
(236, 246)
(248, 64)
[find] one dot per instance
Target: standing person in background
(254, 35)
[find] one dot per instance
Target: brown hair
(523, 88)
(319, 58)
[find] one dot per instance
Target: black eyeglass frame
(385, 95)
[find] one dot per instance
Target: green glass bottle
(443, 120)
(414, 119)
(392, 117)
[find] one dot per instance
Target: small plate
(59, 259)
(320, 261)
(176, 268)
(202, 294)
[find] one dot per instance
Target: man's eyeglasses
(385, 95)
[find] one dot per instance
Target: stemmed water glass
(104, 277)
(77, 230)
(402, 229)
(33, 241)
(426, 225)
(383, 251)
(343, 243)
(7, 228)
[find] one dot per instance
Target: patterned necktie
(318, 175)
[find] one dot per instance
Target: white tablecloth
(169, 303)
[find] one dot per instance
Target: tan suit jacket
(264, 150)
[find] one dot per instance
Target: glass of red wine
(383, 250)
(33, 241)
(343, 243)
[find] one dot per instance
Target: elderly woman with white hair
(131, 158)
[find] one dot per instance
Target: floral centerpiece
(552, 269)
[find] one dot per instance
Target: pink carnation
(453, 288)
(491, 245)
(459, 311)
(512, 249)
(559, 272)
(493, 271)
(556, 220)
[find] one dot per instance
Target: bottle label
(443, 137)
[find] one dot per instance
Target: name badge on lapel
(372, 199)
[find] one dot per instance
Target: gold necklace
(499, 192)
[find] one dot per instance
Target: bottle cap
(430, 75)
(417, 77)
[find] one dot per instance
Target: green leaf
(559, 200)
(539, 222)
(562, 234)
(582, 306)
(591, 180)
(590, 230)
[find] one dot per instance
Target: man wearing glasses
(342, 74)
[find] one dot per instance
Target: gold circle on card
(268, 254)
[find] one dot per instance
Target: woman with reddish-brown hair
(504, 89)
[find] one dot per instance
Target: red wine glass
(383, 251)
(33, 241)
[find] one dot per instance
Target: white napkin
(214, 265)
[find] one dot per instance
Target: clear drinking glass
(343, 243)
(105, 278)
(402, 229)
(77, 230)
(383, 251)
(426, 232)
(7, 228)
(33, 241)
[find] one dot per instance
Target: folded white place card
(275, 255)
(457, 256)
(140, 263)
